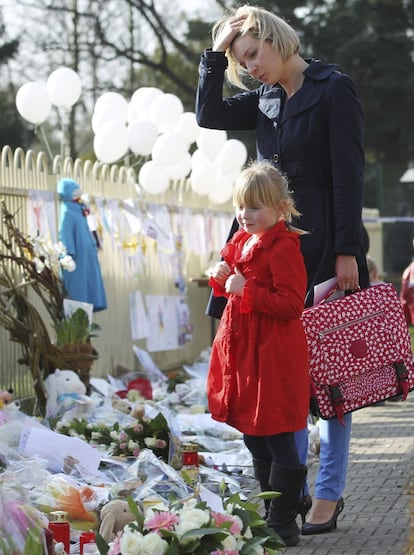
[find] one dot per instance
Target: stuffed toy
(114, 515)
(66, 395)
(136, 410)
(123, 405)
(6, 397)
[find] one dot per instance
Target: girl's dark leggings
(279, 449)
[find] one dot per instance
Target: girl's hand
(235, 283)
(228, 33)
(347, 272)
(220, 272)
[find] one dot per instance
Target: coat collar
(271, 98)
(234, 247)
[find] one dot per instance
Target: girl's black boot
(262, 474)
(283, 509)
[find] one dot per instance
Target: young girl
(258, 374)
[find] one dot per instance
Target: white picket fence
(22, 172)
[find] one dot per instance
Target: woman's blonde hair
(264, 26)
(262, 184)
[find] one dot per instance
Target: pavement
(380, 487)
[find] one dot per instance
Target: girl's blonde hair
(262, 184)
(264, 26)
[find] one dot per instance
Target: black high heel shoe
(304, 506)
(309, 529)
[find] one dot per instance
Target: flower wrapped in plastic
(22, 527)
(120, 440)
(191, 526)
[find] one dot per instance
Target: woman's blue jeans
(333, 457)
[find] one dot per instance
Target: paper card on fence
(70, 306)
(163, 322)
(60, 450)
(140, 327)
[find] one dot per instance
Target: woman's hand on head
(228, 33)
(235, 283)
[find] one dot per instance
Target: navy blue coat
(316, 139)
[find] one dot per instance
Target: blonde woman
(309, 124)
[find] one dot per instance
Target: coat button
(275, 158)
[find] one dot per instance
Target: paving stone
(380, 487)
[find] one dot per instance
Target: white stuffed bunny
(66, 395)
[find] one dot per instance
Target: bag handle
(330, 292)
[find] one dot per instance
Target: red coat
(258, 380)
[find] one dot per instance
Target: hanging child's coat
(85, 283)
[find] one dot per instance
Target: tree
(12, 131)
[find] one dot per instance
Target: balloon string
(45, 141)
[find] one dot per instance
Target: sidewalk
(379, 487)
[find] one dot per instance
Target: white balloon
(112, 99)
(108, 113)
(33, 102)
(142, 99)
(199, 158)
(142, 135)
(153, 178)
(222, 190)
(165, 111)
(180, 169)
(211, 141)
(187, 126)
(169, 148)
(64, 87)
(232, 156)
(131, 113)
(111, 142)
(202, 178)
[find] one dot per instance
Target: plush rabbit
(114, 515)
(66, 393)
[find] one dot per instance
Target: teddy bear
(114, 515)
(66, 396)
(6, 397)
(135, 410)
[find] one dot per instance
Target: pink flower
(136, 452)
(219, 518)
(161, 519)
(123, 446)
(161, 444)
(115, 548)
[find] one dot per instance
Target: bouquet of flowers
(123, 441)
(192, 527)
(21, 525)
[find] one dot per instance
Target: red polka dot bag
(359, 350)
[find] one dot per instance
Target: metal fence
(112, 186)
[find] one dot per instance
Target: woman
(309, 123)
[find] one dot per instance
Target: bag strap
(402, 378)
(337, 402)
